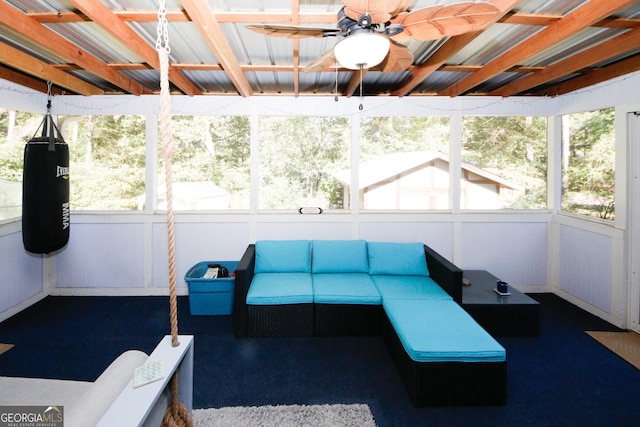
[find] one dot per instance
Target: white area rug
(357, 415)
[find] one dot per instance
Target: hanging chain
(49, 86)
(162, 42)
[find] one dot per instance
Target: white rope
(176, 414)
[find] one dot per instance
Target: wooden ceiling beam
(102, 15)
(26, 80)
(268, 68)
(605, 50)
(593, 77)
(210, 29)
(31, 29)
(354, 82)
(295, 20)
(583, 17)
(303, 18)
(21, 61)
(447, 50)
(180, 16)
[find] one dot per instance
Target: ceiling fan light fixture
(361, 51)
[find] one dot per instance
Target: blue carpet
(562, 378)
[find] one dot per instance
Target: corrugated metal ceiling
(271, 65)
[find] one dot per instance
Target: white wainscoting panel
(195, 242)
(586, 265)
(102, 256)
(436, 235)
(514, 252)
(304, 230)
(20, 272)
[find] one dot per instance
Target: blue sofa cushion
(409, 287)
(339, 256)
(397, 259)
(280, 288)
(344, 288)
(283, 256)
(441, 331)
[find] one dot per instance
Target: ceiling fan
(373, 30)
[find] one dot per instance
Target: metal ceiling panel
(272, 65)
(572, 45)
(24, 44)
(491, 43)
(97, 41)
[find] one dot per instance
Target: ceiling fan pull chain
(336, 97)
(361, 94)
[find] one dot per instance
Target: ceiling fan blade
(432, 23)
(321, 62)
(404, 35)
(293, 32)
(397, 60)
(381, 11)
(402, 7)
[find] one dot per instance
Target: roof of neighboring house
(392, 165)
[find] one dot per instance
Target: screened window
(16, 128)
(106, 161)
(210, 164)
(301, 161)
(504, 163)
(404, 163)
(588, 163)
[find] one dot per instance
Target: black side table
(512, 315)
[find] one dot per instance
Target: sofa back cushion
(283, 256)
(339, 256)
(407, 259)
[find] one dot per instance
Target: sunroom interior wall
(20, 98)
(195, 241)
(22, 279)
(102, 255)
(514, 250)
(470, 239)
(21, 274)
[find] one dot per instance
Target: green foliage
(213, 149)
(298, 156)
(106, 160)
(514, 148)
(16, 128)
(386, 135)
(589, 166)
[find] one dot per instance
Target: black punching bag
(45, 191)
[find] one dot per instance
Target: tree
(214, 149)
(298, 156)
(16, 129)
(512, 147)
(589, 178)
(107, 160)
(386, 135)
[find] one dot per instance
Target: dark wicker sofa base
(447, 383)
(348, 320)
(289, 320)
(325, 320)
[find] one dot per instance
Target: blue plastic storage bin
(210, 297)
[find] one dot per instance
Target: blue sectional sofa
(406, 292)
